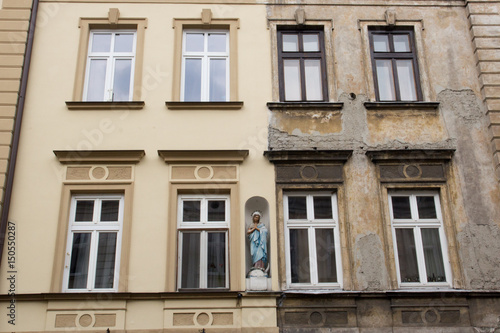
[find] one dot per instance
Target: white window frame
(94, 228)
(205, 57)
(311, 225)
(416, 224)
(204, 227)
(110, 58)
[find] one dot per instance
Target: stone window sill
(297, 106)
(204, 105)
(97, 106)
(430, 106)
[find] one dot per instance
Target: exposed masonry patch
(371, 273)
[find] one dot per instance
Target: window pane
(385, 80)
(109, 210)
(426, 208)
(190, 260)
(325, 256)
(105, 264)
(311, 43)
(216, 260)
(191, 211)
(381, 43)
(84, 210)
(401, 207)
(79, 265)
(433, 256)
(96, 80)
(121, 80)
(406, 79)
(192, 80)
(216, 42)
(299, 256)
(290, 43)
(297, 209)
(217, 80)
(194, 42)
(401, 43)
(216, 210)
(101, 42)
(314, 91)
(291, 74)
(407, 255)
(124, 42)
(323, 208)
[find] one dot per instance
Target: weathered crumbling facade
(442, 135)
(362, 133)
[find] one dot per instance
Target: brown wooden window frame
(393, 56)
(301, 56)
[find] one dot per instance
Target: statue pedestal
(257, 280)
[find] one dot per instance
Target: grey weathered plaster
(478, 231)
(371, 274)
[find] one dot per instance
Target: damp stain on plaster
(308, 122)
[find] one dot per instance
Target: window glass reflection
(297, 209)
(290, 43)
(311, 42)
(101, 42)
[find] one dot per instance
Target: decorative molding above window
(378, 156)
(203, 156)
(309, 166)
(287, 156)
(411, 165)
(99, 156)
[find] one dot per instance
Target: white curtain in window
(406, 80)
(385, 80)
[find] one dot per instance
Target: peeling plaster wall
(458, 124)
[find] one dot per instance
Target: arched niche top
(257, 203)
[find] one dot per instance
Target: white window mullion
(108, 92)
(92, 260)
(338, 254)
(227, 258)
(204, 210)
(131, 85)
(203, 259)
(420, 255)
(313, 263)
(205, 77)
(444, 253)
(287, 249)
(414, 208)
(110, 78)
(180, 236)
(396, 253)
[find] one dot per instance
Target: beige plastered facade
(150, 183)
(155, 147)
